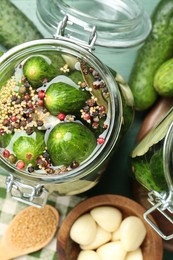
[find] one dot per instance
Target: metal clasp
(160, 202)
(60, 33)
(34, 196)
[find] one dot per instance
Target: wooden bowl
(67, 249)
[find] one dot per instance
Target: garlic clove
(112, 250)
(83, 230)
(88, 255)
(107, 217)
(132, 233)
(135, 255)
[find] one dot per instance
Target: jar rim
(119, 25)
(106, 148)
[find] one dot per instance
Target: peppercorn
(22, 89)
(86, 116)
(2, 131)
(86, 109)
(40, 102)
(46, 155)
(96, 85)
(18, 101)
(16, 125)
(74, 165)
(29, 130)
(41, 161)
(29, 119)
(23, 123)
(20, 165)
(13, 118)
(105, 90)
(100, 140)
(95, 125)
(39, 123)
(50, 170)
(12, 158)
(13, 98)
(5, 153)
(90, 102)
(6, 122)
(61, 116)
(44, 110)
(57, 171)
(63, 169)
(26, 84)
(41, 94)
(30, 169)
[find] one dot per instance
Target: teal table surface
(117, 178)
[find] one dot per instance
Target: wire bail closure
(60, 33)
(31, 195)
(164, 200)
(160, 202)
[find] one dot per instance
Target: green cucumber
(163, 80)
(157, 48)
(70, 141)
(63, 98)
(28, 148)
(15, 27)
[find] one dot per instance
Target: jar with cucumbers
(152, 162)
(63, 111)
(151, 83)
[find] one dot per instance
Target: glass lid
(119, 24)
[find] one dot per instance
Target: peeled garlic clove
(88, 255)
(135, 255)
(102, 237)
(116, 235)
(132, 233)
(112, 250)
(109, 218)
(83, 230)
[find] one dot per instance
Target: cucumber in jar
(70, 142)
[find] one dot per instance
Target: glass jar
(121, 26)
(77, 35)
(152, 161)
(33, 188)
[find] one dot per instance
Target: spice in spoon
(30, 230)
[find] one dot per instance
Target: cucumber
(15, 27)
(63, 98)
(163, 80)
(157, 48)
(70, 141)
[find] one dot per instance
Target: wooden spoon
(32, 229)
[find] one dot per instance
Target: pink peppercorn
(2, 131)
(13, 118)
(6, 153)
(41, 94)
(40, 102)
(100, 140)
(20, 165)
(61, 116)
(87, 116)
